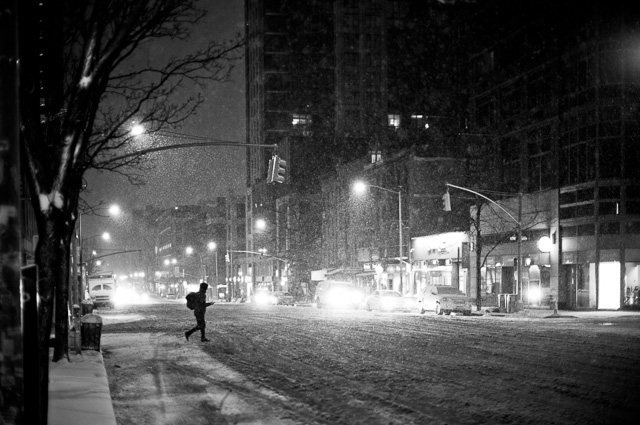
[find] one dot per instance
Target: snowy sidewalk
(79, 391)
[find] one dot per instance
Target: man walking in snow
(199, 311)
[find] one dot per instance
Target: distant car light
(262, 298)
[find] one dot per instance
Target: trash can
(91, 330)
(87, 307)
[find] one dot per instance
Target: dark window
(510, 149)
(276, 101)
(584, 210)
(631, 156)
(609, 192)
(277, 120)
(567, 198)
(568, 231)
(610, 160)
(107, 287)
(609, 228)
(584, 195)
(633, 228)
(633, 192)
(608, 208)
(276, 81)
(633, 207)
(567, 212)
(275, 62)
(274, 23)
(240, 210)
(586, 230)
(275, 43)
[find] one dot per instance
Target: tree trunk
(52, 257)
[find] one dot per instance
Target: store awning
(317, 275)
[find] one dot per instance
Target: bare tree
(496, 222)
(80, 88)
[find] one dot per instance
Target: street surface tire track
(307, 366)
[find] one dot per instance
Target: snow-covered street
(292, 365)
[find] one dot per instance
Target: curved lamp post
(212, 246)
(360, 187)
(189, 250)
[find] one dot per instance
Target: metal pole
(520, 246)
(400, 235)
(203, 270)
(217, 281)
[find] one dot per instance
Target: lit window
(301, 119)
(376, 156)
(419, 121)
(394, 120)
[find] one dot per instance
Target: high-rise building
(554, 86)
(330, 82)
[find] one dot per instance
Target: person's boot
(187, 334)
(202, 337)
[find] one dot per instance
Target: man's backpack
(191, 300)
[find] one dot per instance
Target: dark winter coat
(201, 304)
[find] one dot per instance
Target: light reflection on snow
(127, 296)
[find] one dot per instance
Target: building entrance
(609, 279)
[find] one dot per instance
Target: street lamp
(261, 224)
(189, 250)
(211, 246)
(360, 187)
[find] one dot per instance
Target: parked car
(282, 298)
(444, 300)
(387, 300)
(339, 294)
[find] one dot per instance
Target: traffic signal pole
(518, 222)
(189, 145)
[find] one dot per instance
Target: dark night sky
(185, 176)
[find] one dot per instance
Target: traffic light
(226, 258)
(446, 201)
(270, 170)
(277, 170)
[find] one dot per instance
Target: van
(102, 289)
(335, 293)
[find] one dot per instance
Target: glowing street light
(137, 130)
(115, 210)
(261, 224)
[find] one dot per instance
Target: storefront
(441, 259)
(608, 284)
